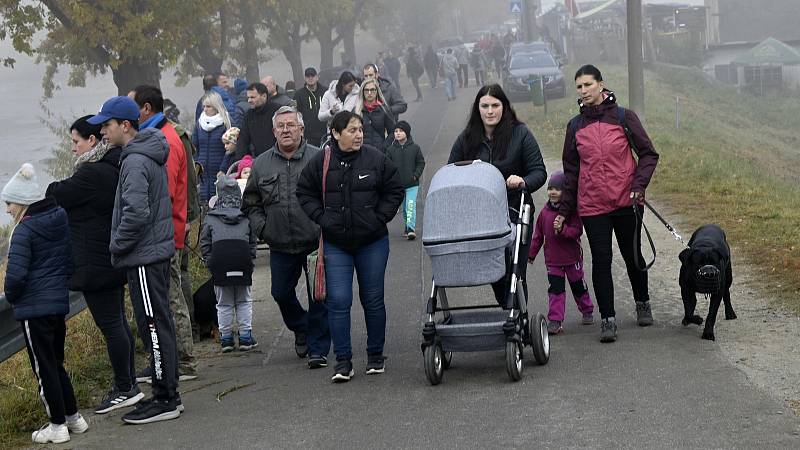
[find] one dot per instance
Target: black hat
(403, 125)
(310, 72)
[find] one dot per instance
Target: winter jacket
(308, 104)
(271, 203)
(378, 124)
(329, 99)
(211, 155)
(280, 97)
(227, 99)
(242, 106)
(599, 168)
(141, 228)
(462, 55)
(363, 193)
(478, 60)
(88, 198)
(177, 179)
(393, 67)
(397, 105)
(560, 249)
(414, 67)
(228, 247)
(39, 263)
(523, 159)
(192, 198)
(255, 136)
(449, 65)
(409, 161)
(431, 61)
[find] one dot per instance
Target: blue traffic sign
(515, 7)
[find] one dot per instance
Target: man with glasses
(276, 217)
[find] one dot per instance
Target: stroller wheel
(514, 360)
(447, 359)
(540, 339)
(434, 364)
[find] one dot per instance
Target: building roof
(769, 51)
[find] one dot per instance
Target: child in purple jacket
(563, 257)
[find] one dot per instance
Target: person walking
(478, 63)
(407, 156)
(36, 286)
(229, 247)
(352, 191)
(563, 257)
(378, 120)
(602, 182)
(462, 56)
(449, 70)
(276, 217)
(142, 242)
(207, 138)
(431, 62)
(393, 67)
(342, 95)
(391, 92)
(414, 70)
(494, 134)
(308, 101)
(88, 198)
(255, 136)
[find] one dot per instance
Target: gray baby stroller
(472, 252)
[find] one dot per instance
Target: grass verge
(733, 161)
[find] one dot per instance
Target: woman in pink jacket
(603, 180)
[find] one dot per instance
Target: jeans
(449, 82)
(502, 287)
(369, 263)
(463, 75)
(432, 75)
(234, 301)
(285, 270)
(108, 311)
(415, 83)
(480, 77)
(410, 208)
(598, 230)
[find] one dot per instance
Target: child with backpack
(407, 156)
(563, 257)
(229, 248)
(36, 286)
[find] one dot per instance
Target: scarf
(372, 106)
(95, 154)
(209, 123)
(152, 121)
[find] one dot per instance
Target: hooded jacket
(560, 249)
(308, 104)
(39, 263)
(141, 229)
(329, 99)
(409, 161)
(397, 105)
(228, 247)
(88, 198)
(177, 179)
(255, 135)
(600, 172)
(272, 206)
(363, 192)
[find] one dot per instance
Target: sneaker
(50, 432)
(644, 317)
(608, 330)
(154, 410)
(77, 424)
(300, 346)
(247, 342)
(145, 375)
(179, 403)
(343, 371)
(412, 235)
(554, 327)
(588, 319)
(317, 362)
(116, 399)
(376, 363)
(226, 342)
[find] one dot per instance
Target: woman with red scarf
(378, 120)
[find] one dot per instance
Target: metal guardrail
(11, 338)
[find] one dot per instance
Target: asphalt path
(656, 387)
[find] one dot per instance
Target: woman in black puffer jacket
(362, 194)
(376, 116)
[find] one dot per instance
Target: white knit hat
(23, 187)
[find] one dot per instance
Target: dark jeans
(108, 311)
(622, 223)
(149, 289)
(415, 82)
(480, 77)
(285, 270)
(432, 72)
(44, 338)
(369, 263)
(463, 75)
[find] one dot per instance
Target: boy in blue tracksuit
(36, 286)
(407, 156)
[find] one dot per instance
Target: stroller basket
(473, 331)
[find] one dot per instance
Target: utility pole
(529, 28)
(635, 58)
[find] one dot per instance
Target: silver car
(526, 67)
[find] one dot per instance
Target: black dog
(706, 269)
(205, 311)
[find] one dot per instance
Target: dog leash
(636, 248)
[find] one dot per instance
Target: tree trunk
(134, 72)
(326, 46)
(250, 47)
(292, 53)
(348, 34)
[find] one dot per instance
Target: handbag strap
(326, 163)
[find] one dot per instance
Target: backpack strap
(628, 134)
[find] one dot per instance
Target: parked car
(528, 47)
(528, 66)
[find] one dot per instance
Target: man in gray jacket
(276, 217)
(142, 243)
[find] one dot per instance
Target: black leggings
(108, 311)
(622, 223)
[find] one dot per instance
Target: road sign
(515, 7)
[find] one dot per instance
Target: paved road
(659, 387)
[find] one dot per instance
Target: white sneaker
(50, 432)
(77, 424)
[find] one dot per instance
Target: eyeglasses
(286, 126)
(371, 90)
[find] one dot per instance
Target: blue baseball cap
(121, 108)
